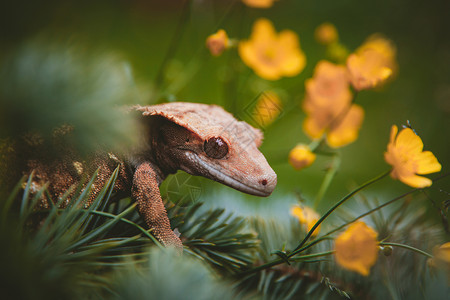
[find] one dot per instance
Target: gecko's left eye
(215, 147)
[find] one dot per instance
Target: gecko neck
(152, 153)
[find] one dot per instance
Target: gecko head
(207, 141)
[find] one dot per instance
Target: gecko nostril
(264, 181)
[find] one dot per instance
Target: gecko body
(202, 140)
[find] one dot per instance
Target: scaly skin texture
(199, 139)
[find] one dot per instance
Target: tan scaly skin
(199, 139)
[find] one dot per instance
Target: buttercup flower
(267, 109)
(328, 106)
(441, 258)
(404, 153)
(272, 55)
(218, 42)
(307, 217)
(383, 46)
(442, 253)
(356, 249)
(372, 63)
(301, 157)
(326, 34)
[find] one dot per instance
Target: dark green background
(142, 33)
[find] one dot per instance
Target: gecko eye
(215, 147)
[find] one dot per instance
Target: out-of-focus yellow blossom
(301, 157)
(372, 63)
(329, 86)
(259, 3)
(441, 259)
(356, 249)
(307, 217)
(384, 46)
(442, 254)
(272, 55)
(218, 42)
(267, 109)
(404, 153)
(326, 34)
(328, 106)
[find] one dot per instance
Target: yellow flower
(326, 34)
(384, 46)
(218, 42)
(272, 55)
(442, 253)
(372, 63)
(329, 86)
(356, 249)
(328, 106)
(267, 109)
(441, 259)
(307, 217)
(301, 157)
(259, 3)
(404, 153)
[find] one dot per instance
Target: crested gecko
(199, 139)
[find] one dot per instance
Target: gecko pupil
(215, 148)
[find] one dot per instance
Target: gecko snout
(267, 183)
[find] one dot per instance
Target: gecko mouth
(224, 178)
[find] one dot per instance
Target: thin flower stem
(327, 180)
(299, 247)
(280, 261)
(303, 257)
(314, 145)
(371, 211)
(351, 194)
(406, 247)
(327, 235)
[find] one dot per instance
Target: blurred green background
(164, 45)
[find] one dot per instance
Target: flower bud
(301, 157)
(218, 42)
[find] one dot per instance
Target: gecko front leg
(145, 191)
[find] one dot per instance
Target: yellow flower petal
(409, 141)
(326, 34)
(307, 217)
(313, 128)
(328, 106)
(263, 31)
(371, 64)
(394, 131)
(427, 163)
(416, 181)
(346, 131)
(217, 42)
(258, 3)
(356, 249)
(442, 253)
(295, 62)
